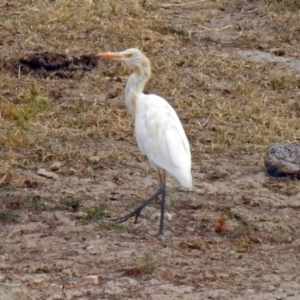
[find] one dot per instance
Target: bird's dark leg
(162, 181)
(161, 191)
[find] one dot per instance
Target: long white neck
(135, 85)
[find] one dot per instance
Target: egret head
(133, 58)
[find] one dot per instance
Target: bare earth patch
(47, 64)
(69, 163)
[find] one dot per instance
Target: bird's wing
(161, 137)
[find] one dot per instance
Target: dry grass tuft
(285, 4)
(145, 267)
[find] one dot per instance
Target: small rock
(92, 279)
(262, 47)
(35, 9)
(277, 51)
(208, 275)
(47, 174)
(168, 216)
(55, 166)
(68, 272)
(92, 250)
(39, 279)
(94, 159)
(271, 288)
(251, 201)
(283, 160)
(2, 278)
(80, 215)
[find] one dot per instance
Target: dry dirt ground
(69, 163)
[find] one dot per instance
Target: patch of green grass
(147, 264)
(94, 213)
(8, 216)
(114, 7)
(217, 175)
(242, 222)
(167, 30)
(27, 106)
(284, 80)
(242, 88)
(38, 203)
(72, 203)
(282, 5)
(283, 234)
(142, 3)
(127, 227)
(19, 118)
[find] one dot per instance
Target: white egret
(158, 130)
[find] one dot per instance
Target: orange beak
(110, 55)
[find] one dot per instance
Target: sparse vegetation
(146, 266)
(7, 216)
(72, 203)
(285, 4)
(95, 213)
(38, 203)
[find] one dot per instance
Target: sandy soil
(235, 236)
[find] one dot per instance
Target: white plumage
(161, 138)
(159, 132)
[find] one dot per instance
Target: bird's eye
(129, 55)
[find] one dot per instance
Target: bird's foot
(135, 213)
(138, 210)
(160, 234)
